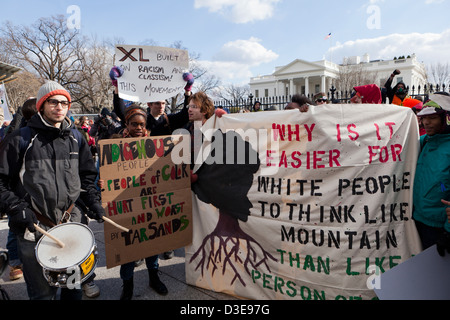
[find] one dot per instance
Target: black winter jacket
(54, 170)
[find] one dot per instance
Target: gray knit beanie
(49, 89)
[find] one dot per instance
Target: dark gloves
(443, 243)
(396, 72)
(22, 219)
(96, 212)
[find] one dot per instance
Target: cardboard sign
(327, 202)
(151, 73)
(147, 193)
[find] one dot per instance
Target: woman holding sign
(136, 123)
(158, 122)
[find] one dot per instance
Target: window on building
(317, 88)
(266, 93)
(256, 93)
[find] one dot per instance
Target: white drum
(71, 265)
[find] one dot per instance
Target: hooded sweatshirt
(370, 93)
(432, 181)
(394, 99)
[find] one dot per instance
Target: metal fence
(280, 102)
(334, 96)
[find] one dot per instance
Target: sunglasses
(321, 100)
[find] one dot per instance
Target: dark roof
(7, 72)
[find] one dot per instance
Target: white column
(324, 84)
(280, 88)
(306, 86)
(291, 87)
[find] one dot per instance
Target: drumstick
(115, 224)
(59, 242)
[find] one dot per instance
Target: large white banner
(324, 208)
(151, 73)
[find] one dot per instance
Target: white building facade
(309, 78)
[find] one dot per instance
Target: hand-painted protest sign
(327, 202)
(147, 193)
(151, 73)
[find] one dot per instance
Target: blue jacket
(432, 181)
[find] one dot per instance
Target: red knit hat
(49, 89)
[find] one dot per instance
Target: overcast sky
(239, 39)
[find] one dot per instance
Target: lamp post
(250, 97)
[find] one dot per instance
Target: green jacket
(432, 181)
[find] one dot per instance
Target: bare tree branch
(51, 51)
(439, 73)
(355, 75)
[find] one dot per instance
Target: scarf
(407, 102)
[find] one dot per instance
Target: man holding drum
(44, 168)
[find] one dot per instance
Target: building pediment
(298, 66)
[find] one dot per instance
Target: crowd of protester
(49, 113)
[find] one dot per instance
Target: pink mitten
(189, 78)
(116, 72)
